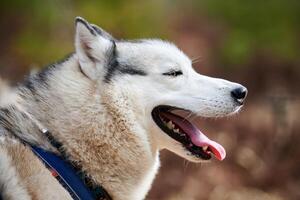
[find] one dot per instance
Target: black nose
(239, 94)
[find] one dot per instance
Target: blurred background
(253, 42)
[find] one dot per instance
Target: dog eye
(173, 73)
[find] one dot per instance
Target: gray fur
(17, 124)
(87, 25)
(98, 104)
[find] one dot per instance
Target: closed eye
(173, 73)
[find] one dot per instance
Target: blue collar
(76, 182)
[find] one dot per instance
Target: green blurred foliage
(270, 25)
(47, 26)
(260, 38)
(250, 27)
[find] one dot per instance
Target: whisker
(196, 60)
(198, 98)
(185, 165)
(188, 116)
(193, 118)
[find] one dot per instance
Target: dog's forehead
(151, 53)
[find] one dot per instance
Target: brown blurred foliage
(255, 43)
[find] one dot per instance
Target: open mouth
(184, 132)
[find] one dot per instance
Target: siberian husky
(113, 105)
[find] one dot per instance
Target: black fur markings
(16, 123)
(6, 120)
(112, 64)
(97, 29)
(132, 71)
(119, 70)
(29, 84)
(94, 30)
(86, 24)
(101, 32)
(36, 80)
(114, 67)
(41, 78)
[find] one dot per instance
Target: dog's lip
(198, 138)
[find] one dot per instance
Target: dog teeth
(170, 125)
(205, 148)
(176, 130)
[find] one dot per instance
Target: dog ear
(94, 48)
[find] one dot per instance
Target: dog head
(160, 81)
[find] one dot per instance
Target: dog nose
(239, 94)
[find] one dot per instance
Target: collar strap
(70, 176)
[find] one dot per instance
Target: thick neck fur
(97, 126)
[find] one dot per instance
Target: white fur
(10, 185)
(88, 45)
(203, 95)
(106, 125)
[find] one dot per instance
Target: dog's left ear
(94, 48)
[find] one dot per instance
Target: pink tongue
(197, 137)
